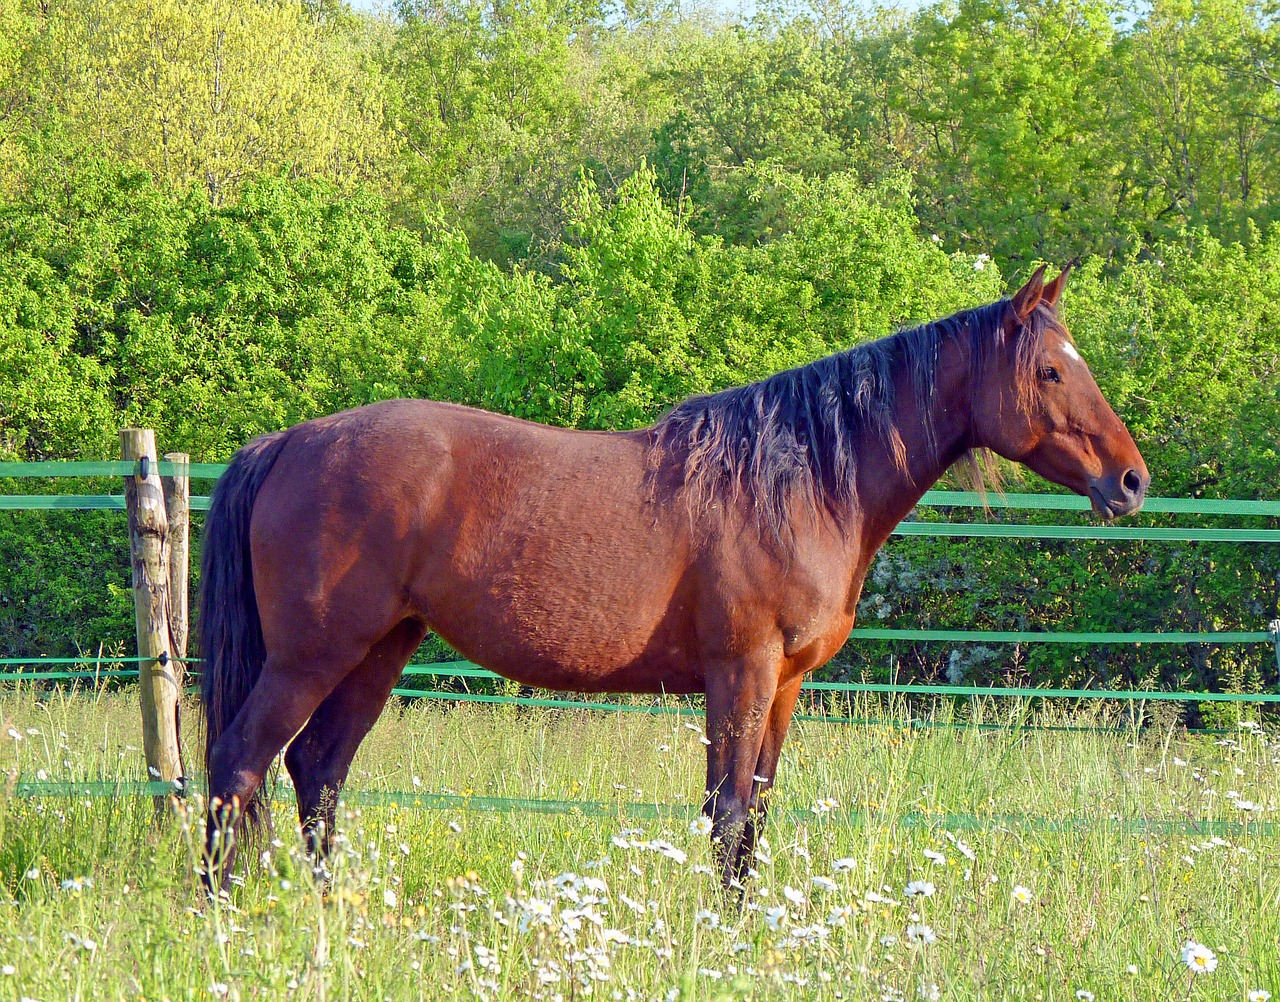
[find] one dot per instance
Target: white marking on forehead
(1069, 350)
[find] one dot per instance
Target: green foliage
(491, 119)
(1033, 130)
(1014, 108)
(1192, 362)
(208, 92)
(66, 586)
(222, 218)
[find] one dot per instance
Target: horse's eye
(1049, 374)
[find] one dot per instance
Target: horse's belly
(554, 567)
(601, 647)
(570, 677)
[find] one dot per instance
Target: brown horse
(720, 551)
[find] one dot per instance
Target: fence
(155, 648)
(932, 499)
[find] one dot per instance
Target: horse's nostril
(1132, 482)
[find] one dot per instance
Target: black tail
(231, 644)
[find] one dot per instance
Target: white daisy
(1198, 957)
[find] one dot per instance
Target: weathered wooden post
(177, 503)
(149, 556)
(1274, 627)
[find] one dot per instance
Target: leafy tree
(1006, 101)
(489, 113)
(226, 217)
(210, 91)
(1199, 119)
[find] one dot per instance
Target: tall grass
(1060, 862)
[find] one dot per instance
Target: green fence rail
(115, 502)
(108, 468)
(424, 801)
(933, 499)
(79, 502)
(470, 670)
(200, 502)
(939, 499)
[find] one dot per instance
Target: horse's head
(1036, 402)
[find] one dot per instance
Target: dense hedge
(123, 303)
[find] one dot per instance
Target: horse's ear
(1053, 291)
(1028, 297)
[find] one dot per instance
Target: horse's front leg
(775, 732)
(739, 698)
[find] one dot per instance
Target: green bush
(123, 304)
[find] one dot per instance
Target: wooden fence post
(177, 503)
(1274, 627)
(149, 557)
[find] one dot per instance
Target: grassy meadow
(902, 863)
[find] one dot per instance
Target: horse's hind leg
(319, 757)
(287, 692)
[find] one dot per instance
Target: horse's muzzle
(1113, 496)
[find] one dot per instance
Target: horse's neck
(887, 491)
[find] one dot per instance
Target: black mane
(798, 430)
